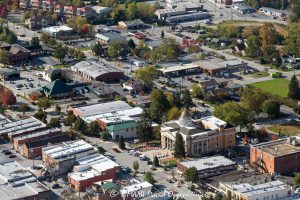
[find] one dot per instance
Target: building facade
(279, 156)
(200, 137)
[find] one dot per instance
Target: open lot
(275, 86)
(286, 129)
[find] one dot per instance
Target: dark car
(12, 156)
(55, 186)
(7, 153)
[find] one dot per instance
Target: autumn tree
(268, 37)
(93, 128)
(8, 98)
(292, 41)
(173, 113)
(135, 166)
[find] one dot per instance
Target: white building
(57, 31)
(137, 190)
(273, 190)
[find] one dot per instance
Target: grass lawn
(279, 86)
(61, 66)
(286, 129)
(259, 74)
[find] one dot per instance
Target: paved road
(125, 159)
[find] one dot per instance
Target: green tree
(271, 107)
(191, 175)
(253, 47)
(97, 49)
(186, 99)
(60, 52)
(159, 104)
(35, 41)
(135, 166)
(104, 135)
(41, 115)
(70, 119)
(54, 122)
(57, 109)
(229, 30)
(174, 113)
(115, 50)
(3, 56)
(44, 103)
(122, 143)
(146, 76)
(232, 113)
(294, 91)
(131, 44)
(80, 125)
(252, 100)
(294, 11)
(101, 150)
(197, 91)
(149, 178)
(292, 41)
(132, 11)
(162, 35)
(93, 128)
(144, 128)
(155, 161)
(179, 149)
(24, 108)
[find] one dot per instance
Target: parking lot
(28, 83)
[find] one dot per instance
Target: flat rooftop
(179, 68)
(117, 116)
(21, 126)
(254, 190)
(212, 122)
(93, 68)
(56, 29)
(278, 147)
(67, 149)
(210, 65)
(135, 187)
(208, 162)
(102, 108)
(98, 165)
(36, 134)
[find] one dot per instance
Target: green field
(279, 86)
(286, 129)
(259, 74)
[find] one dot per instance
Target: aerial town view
(149, 99)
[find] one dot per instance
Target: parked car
(55, 186)
(12, 156)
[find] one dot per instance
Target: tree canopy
(146, 75)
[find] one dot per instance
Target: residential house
(15, 53)
(59, 9)
(39, 22)
(131, 25)
(70, 11)
(36, 4)
(86, 12)
(49, 74)
(101, 13)
(24, 4)
(48, 5)
(209, 85)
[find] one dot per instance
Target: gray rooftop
(21, 126)
(93, 69)
(208, 162)
(102, 108)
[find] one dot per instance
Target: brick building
(91, 169)
(204, 136)
(33, 149)
(21, 127)
(279, 156)
(61, 158)
(33, 136)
